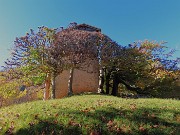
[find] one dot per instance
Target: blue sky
(125, 21)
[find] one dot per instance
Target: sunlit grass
(92, 114)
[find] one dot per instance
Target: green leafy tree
(143, 67)
(33, 57)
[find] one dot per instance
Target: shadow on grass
(50, 127)
(143, 116)
(102, 122)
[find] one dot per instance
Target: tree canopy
(144, 67)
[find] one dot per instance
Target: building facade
(84, 80)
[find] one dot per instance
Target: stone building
(85, 80)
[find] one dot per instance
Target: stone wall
(85, 80)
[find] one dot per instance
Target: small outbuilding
(86, 80)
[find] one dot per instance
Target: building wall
(85, 80)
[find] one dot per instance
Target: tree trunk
(107, 82)
(115, 85)
(47, 86)
(53, 96)
(1, 101)
(101, 81)
(136, 89)
(70, 82)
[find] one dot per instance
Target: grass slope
(92, 114)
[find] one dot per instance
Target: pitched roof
(87, 27)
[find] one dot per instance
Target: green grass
(92, 114)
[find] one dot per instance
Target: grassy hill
(92, 114)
